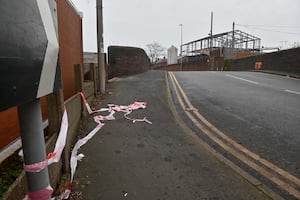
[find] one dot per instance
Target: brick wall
(124, 61)
(190, 66)
(189, 63)
(285, 61)
(243, 54)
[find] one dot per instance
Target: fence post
(94, 77)
(55, 108)
(78, 77)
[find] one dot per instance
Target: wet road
(260, 112)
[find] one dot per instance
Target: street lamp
(181, 35)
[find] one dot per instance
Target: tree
(155, 51)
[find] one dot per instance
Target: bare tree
(155, 51)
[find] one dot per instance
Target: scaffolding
(234, 40)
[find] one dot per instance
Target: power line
(269, 30)
(270, 26)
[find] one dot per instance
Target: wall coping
(75, 8)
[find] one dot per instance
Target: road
(157, 161)
(258, 112)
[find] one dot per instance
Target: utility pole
(233, 38)
(211, 60)
(211, 30)
(181, 36)
(101, 63)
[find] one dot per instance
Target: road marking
(236, 149)
(249, 178)
(293, 92)
(242, 79)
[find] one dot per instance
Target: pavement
(140, 161)
(280, 73)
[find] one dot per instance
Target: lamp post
(181, 38)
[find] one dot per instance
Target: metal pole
(211, 60)
(33, 142)
(181, 36)
(233, 38)
(211, 30)
(101, 63)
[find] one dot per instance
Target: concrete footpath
(139, 161)
(280, 73)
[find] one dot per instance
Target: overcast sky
(140, 22)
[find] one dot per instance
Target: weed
(10, 169)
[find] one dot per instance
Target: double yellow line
(278, 176)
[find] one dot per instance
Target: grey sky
(139, 22)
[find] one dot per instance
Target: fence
(74, 107)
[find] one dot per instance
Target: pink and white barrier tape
(118, 108)
(55, 156)
(52, 157)
(60, 144)
(37, 167)
(79, 143)
(112, 109)
(90, 111)
(43, 194)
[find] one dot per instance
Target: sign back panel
(28, 51)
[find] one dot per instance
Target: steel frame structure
(237, 40)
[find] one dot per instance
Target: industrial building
(232, 44)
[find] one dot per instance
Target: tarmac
(162, 160)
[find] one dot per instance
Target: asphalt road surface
(260, 112)
(162, 160)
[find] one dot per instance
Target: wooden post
(55, 109)
(94, 77)
(79, 80)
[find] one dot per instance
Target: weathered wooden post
(94, 77)
(79, 79)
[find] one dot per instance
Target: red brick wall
(243, 54)
(188, 66)
(71, 52)
(70, 41)
(124, 61)
(285, 61)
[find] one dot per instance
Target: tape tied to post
(55, 156)
(43, 194)
(37, 167)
